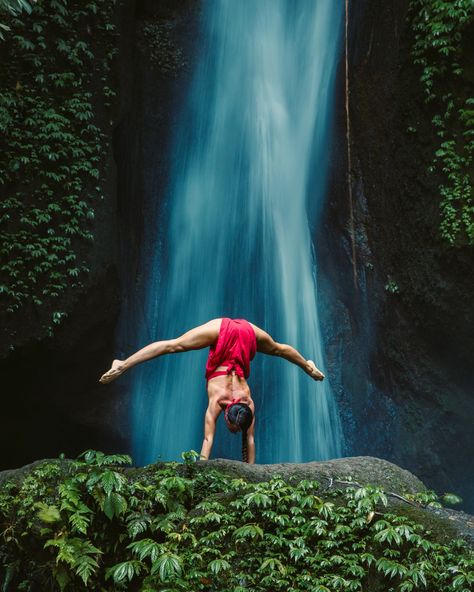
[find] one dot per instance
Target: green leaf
(125, 571)
(114, 505)
(167, 565)
(273, 564)
(48, 514)
(451, 499)
(218, 565)
(249, 531)
(146, 548)
(259, 499)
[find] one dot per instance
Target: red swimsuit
(235, 347)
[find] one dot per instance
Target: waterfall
(236, 234)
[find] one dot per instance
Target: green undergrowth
(442, 48)
(92, 524)
(54, 80)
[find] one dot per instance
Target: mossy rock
(361, 469)
(443, 523)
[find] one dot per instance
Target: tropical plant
(92, 524)
(442, 30)
(55, 77)
(13, 7)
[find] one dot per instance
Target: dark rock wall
(398, 361)
(51, 399)
(400, 336)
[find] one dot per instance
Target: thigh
(199, 337)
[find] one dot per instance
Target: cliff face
(50, 398)
(398, 337)
(52, 401)
(406, 323)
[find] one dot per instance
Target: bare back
(222, 390)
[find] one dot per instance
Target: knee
(175, 346)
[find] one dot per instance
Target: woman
(232, 343)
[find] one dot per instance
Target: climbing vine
(90, 524)
(442, 30)
(56, 65)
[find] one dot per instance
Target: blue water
(236, 234)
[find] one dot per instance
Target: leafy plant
(212, 532)
(53, 147)
(391, 286)
(14, 7)
(441, 30)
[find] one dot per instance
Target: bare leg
(267, 345)
(196, 338)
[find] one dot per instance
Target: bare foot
(116, 370)
(313, 371)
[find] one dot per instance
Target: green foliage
(13, 7)
(442, 29)
(391, 286)
(56, 64)
(451, 499)
(212, 532)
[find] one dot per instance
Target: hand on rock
(116, 370)
(313, 371)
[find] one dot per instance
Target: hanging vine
(56, 66)
(441, 33)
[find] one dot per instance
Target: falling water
(233, 234)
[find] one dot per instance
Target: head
(238, 417)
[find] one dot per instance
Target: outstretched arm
(251, 443)
(210, 419)
(267, 345)
(196, 338)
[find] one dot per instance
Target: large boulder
(445, 524)
(360, 469)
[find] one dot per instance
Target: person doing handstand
(232, 345)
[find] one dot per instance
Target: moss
(440, 528)
(156, 41)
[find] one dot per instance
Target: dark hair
(241, 415)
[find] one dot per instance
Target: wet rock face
(406, 322)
